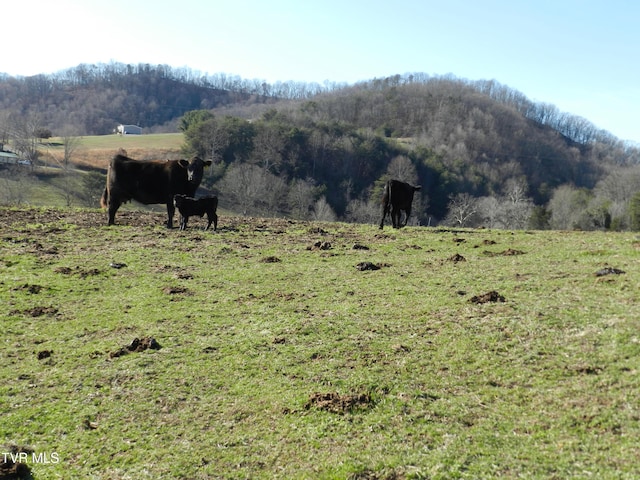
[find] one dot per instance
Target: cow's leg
(385, 211)
(212, 218)
(406, 218)
(395, 217)
(183, 222)
(171, 210)
(113, 208)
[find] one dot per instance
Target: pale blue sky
(581, 56)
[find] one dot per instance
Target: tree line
(483, 152)
(481, 162)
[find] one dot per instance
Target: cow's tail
(103, 200)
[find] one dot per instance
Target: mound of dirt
(271, 260)
(11, 466)
(36, 312)
(507, 253)
(44, 354)
(336, 403)
(457, 258)
(33, 289)
(319, 245)
(363, 266)
(137, 345)
(491, 296)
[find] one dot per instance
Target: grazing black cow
(188, 206)
(397, 196)
(150, 182)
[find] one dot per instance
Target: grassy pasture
(96, 151)
(280, 359)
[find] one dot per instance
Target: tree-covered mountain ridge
(467, 142)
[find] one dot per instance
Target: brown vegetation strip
(336, 403)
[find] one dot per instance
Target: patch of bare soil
(457, 258)
(43, 354)
(364, 266)
(36, 312)
(32, 289)
(488, 297)
(81, 272)
(507, 253)
(336, 403)
(319, 245)
(12, 465)
(176, 291)
(137, 345)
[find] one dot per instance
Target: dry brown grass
(99, 157)
(96, 151)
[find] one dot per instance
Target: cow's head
(195, 170)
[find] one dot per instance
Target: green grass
(542, 385)
(167, 141)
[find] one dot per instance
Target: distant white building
(129, 130)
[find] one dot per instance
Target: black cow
(150, 182)
(188, 206)
(397, 196)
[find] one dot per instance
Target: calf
(188, 206)
(397, 196)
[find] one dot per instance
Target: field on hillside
(282, 349)
(96, 151)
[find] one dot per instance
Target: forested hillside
(484, 153)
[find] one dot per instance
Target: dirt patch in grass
(320, 246)
(43, 354)
(364, 266)
(36, 312)
(12, 464)
(336, 403)
(457, 258)
(137, 345)
(33, 289)
(175, 291)
(507, 253)
(81, 272)
(488, 297)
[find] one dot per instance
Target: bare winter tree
(516, 206)
(323, 212)
(362, 211)
(401, 168)
(301, 197)
(25, 137)
(14, 185)
(618, 188)
(240, 188)
(463, 209)
(70, 144)
(568, 206)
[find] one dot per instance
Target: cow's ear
(183, 163)
(207, 163)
